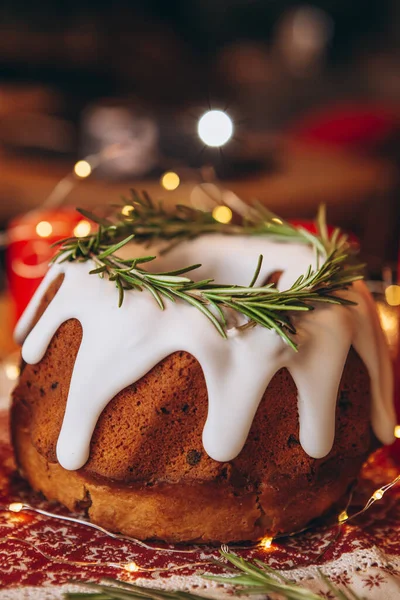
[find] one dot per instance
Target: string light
(82, 229)
(44, 229)
(131, 567)
(127, 210)
(16, 507)
(392, 295)
(377, 495)
(265, 543)
(170, 181)
(222, 214)
(82, 169)
(343, 516)
(397, 432)
(215, 128)
(12, 372)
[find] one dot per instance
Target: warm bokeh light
(397, 432)
(222, 214)
(12, 372)
(131, 567)
(215, 128)
(82, 169)
(170, 181)
(82, 229)
(266, 542)
(15, 507)
(390, 324)
(127, 210)
(378, 494)
(44, 229)
(392, 295)
(277, 221)
(343, 516)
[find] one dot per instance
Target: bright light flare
(170, 181)
(131, 567)
(378, 494)
(82, 169)
(343, 516)
(392, 295)
(397, 432)
(44, 229)
(127, 210)
(222, 214)
(12, 372)
(82, 229)
(266, 542)
(215, 128)
(16, 507)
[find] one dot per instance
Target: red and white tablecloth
(39, 555)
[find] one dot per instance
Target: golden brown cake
(147, 472)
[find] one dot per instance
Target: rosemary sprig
(263, 305)
(253, 578)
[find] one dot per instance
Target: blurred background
(96, 98)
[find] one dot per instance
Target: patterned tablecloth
(39, 556)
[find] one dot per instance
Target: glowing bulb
(397, 432)
(170, 181)
(392, 295)
(378, 494)
(127, 210)
(266, 542)
(343, 516)
(131, 567)
(82, 169)
(215, 128)
(222, 214)
(12, 372)
(82, 229)
(44, 229)
(15, 507)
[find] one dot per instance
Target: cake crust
(148, 475)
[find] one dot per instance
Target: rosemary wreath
(142, 221)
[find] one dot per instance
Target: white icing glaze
(120, 345)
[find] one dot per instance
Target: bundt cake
(163, 429)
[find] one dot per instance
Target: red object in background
(29, 250)
(311, 226)
(357, 127)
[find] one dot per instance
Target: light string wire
(265, 543)
(17, 507)
(70, 181)
(130, 567)
(378, 494)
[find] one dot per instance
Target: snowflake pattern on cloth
(40, 555)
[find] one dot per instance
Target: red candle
(30, 248)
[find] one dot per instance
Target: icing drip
(123, 344)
